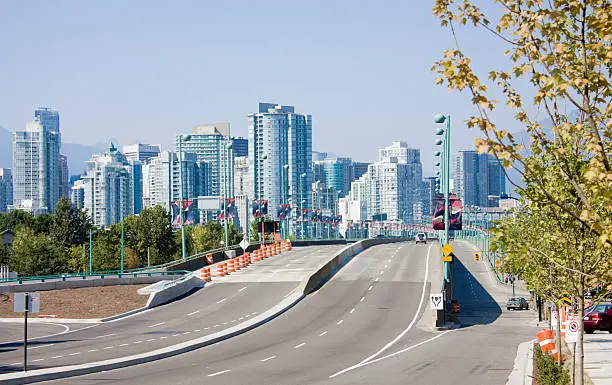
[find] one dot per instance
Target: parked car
(598, 317)
(519, 303)
(420, 238)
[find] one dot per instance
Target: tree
(15, 220)
(69, 226)
(254, 232)
(77, 259)
(107, 250)
(559, 53)
(34, 254)
(234, 235)
(208, 237)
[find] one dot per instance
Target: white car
(420, 238)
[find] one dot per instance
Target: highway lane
(482, 352)
(223, 304)
(369, 308)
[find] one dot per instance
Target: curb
(522, 372)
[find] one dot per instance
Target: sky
(147, 70)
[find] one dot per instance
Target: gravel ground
(87, 302)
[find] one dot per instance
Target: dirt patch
(86, 302)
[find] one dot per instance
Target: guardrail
(100, 275)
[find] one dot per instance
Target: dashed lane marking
(74, 354)
(108, 347)
(221, 372)
(322, 334)
(54, 357)
(352, 311)
(221, 300)
(362, 298)
(300, 345)
(193, 312)
(157, 324)
(339, 322)
(268, 359)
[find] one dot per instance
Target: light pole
(182, 138)
(445, 178)
(302, 201)
(90, 251)
(283, 199)
(228, 151)
(261, 191)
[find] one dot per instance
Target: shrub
(546, 371)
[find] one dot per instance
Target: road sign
(244, 244)
(571, 334)
(33, 302)
(476, 256)
(565, 299)
(447, 249)
(554, 319)
(447, 258)
(436, 301)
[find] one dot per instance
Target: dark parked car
(598, 317)
(519, 303)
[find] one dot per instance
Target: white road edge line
(414, 319)
(40, 346)
(300, 345)
(390, 355)
(268, 359)
(362, 298)
(242, 288)
(221, 372)
(370, 288)
(106, 335)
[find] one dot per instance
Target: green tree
(69, 226)
(34, 254)
(77, 259)
(107, 250)
(209, 236)
(15, 220)
(254, 230)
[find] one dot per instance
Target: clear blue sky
(146, 70)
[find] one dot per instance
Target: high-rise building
(36, 163)
(6, 189)
(211, 144)
(141, 152)
(109, 187)
(164, 182)
(392, 187)
(336, 172)
(318, 156)
(77, 194)
(359, 168)
(279, 136)
(430, 189)
(242, 181)
(476, 176)
(64, 185)
(240, 146)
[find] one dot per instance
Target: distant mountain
(77, 154)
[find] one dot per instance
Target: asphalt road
(369, 309)
(223, 304)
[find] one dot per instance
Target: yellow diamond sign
(447, 249)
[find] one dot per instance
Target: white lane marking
(216, 326)
(339, 322)
(151, 339)
(193, 312)
(66, 330)
(40, 346)
(221, 372)
(186, 333)
(381, 272)
(221, 300)
(163, 337)
(240, 319)
(92, 350)
(108, 347)
(322, 334)
(57, 357)
(233, 320)
(206, 328)
(300, 345)
(376, 280)
(362, 298)
(197, 330)
(137, 342)
(106, 335)
(370, 288)
(40, 359)
(253, 313)
(414, 319)
(352, 311)
(152, 326)
(242, 289)
(390, 355)
(74, 354)
(225, 323)
(122, 345)
(268, 359)
(17, 363)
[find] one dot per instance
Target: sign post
(26, 303)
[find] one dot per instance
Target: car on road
(598, 317)
(420, 238)
(519, 303)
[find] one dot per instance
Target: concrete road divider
(174, 290)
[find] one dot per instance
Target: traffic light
(476, 257)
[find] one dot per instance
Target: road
(370, 308)
(221, 305)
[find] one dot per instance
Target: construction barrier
(546, 340)
(563, 313)
(231, 265)
(221, 269)
(209, 259)
(205, 274)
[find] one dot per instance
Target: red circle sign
(573, 326)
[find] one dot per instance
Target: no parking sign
(571, 334)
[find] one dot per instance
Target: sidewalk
(598, 357)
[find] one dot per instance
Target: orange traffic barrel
(209, 259)
(205, 274)
(546, 340)
(231, 266)
(220, 271)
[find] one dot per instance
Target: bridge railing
(99, 274)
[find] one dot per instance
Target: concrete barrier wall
(327, 270)
(78, 283)
(173, 291)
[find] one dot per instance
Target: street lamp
(261, 191)
(182, 138)
(228, 151)
(302, 201)
(283, 199)
(439, 118)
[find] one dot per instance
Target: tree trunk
(558, 334)
(579, 353)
